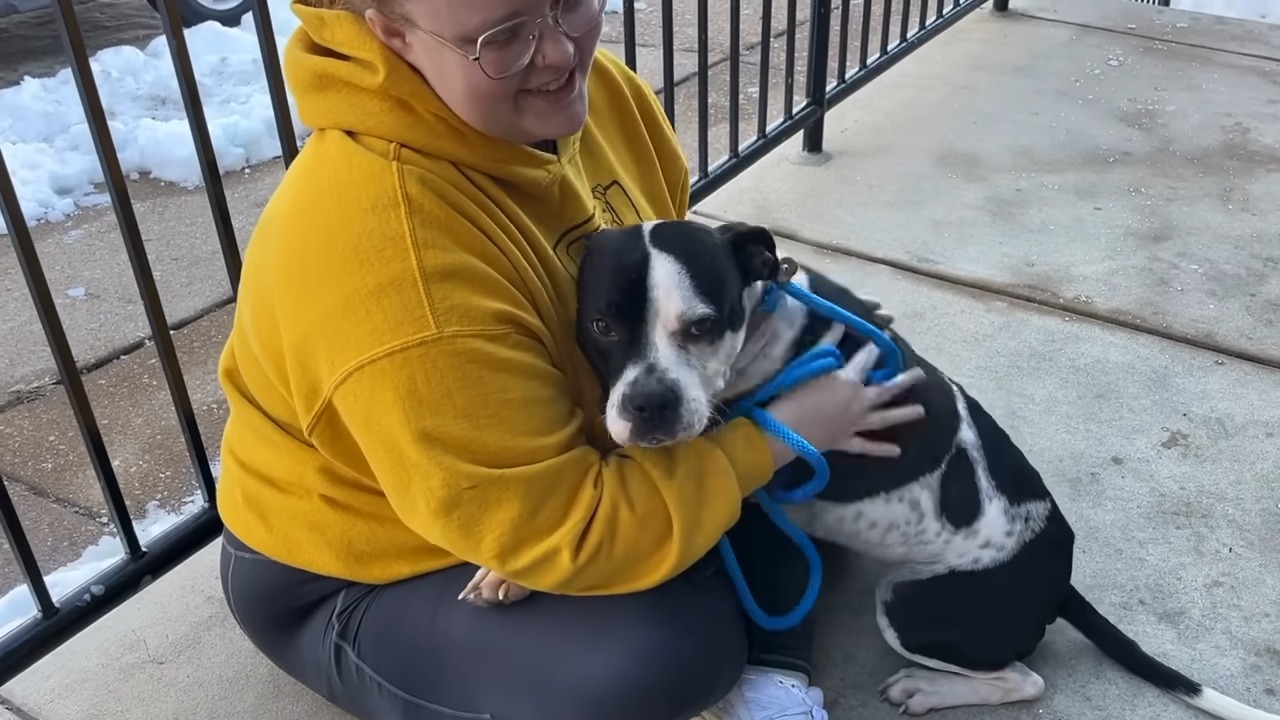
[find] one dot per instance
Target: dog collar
(787, 269)
(891, 360)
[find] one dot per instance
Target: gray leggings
(412, 651)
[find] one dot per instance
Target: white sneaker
(764, 694)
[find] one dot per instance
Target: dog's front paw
(488, 588)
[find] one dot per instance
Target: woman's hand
(488, 588)
(831, 411)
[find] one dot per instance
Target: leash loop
(814, 363)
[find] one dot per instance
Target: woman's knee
(275, 607)
(667, 664)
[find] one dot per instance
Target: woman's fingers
(474, 585)
(487, 588)
(512, 592)
(860, 364)
(862, 446)
(882, 393)
(882, 419)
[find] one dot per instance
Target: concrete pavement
(1163, 454)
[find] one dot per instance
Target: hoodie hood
(343, 78)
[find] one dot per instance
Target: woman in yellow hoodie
(407, 402)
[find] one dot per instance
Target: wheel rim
(220, 5)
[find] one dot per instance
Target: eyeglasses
(507, 49)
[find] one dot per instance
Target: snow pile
(46, 141)
(16, 606)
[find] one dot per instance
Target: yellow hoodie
(404, 385)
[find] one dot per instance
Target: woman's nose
(555, 48)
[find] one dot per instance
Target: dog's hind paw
(907, 693)
(488, 588)
(916, 690)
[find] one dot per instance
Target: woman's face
(530, 83)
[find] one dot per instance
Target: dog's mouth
(660, 438)
(655, 438)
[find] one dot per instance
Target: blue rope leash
(814, 363)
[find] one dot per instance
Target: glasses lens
(579, 16)
(506, 49)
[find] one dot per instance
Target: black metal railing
(869, 37)
(876, 33)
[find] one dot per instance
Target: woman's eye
(502, 37)
(601, 328)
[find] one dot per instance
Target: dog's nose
(653, 405)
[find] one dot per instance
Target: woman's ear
(392, 33)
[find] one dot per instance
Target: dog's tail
(1113, 643)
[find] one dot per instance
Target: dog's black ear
(754, 248)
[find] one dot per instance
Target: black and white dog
(669, 317)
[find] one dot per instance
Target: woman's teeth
(552, 87)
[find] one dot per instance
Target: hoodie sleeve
(474, 439)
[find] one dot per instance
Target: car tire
(195, 12)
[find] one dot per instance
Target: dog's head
(662, 314)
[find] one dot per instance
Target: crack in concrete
(93, 514)
(39, 389)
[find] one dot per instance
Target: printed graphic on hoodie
(614, 208)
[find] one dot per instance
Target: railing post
(1000, 5)
(819, 54)
(275, 81)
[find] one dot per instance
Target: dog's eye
(702, 326)
(601, 328)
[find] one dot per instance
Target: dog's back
(925, 444)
